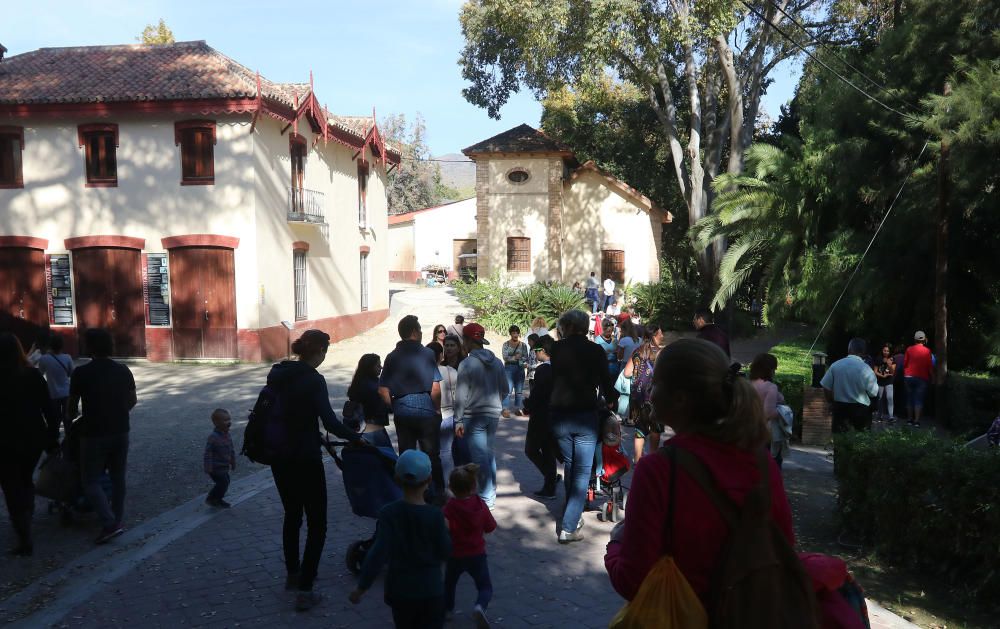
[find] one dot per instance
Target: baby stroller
(369, 479)
(59, 480)
(610, 465)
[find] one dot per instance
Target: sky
(396, 56)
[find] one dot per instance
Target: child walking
(468, 519)
(220, 457)
(413, 537)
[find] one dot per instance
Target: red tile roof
(520, 139)
(134, 72)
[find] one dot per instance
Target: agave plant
(529, 302)
(560, 298)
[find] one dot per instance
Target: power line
(868, 248)
(825, 65)
(826, 47)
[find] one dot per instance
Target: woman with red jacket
(719, 419)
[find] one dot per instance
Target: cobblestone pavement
(182, 564)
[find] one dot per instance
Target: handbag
(58, 479)
(623, 385)
(665, 599)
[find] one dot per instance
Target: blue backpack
(267, 438)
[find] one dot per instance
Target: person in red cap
(482, 386)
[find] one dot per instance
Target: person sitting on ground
(107, 390)
(539, 443)
(704, 323)
(579, 371)
(57, 367)
(850, 384)
(413, 537)
(482, 385)
(301, 478)
(29, 424)
(515, 358)
(718, 420)
(455, 329)
(364, 391)
(220, 457)
(468, 520)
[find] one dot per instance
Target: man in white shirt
(850, 384)
(609, 292)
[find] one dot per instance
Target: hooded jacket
(468, 519)
(482, 385)
(305, 397)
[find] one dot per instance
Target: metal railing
(306, 206)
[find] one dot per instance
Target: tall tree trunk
(941, 281)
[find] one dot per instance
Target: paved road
(182, 564)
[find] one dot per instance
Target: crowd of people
(446, 399)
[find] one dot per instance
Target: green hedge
(793, 375)
(924, 503)
(973, 402)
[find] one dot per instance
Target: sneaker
(505, 414)
(579, 525)
(292, 582)
(222, 504)
(108, 533)
(565, 537)
(306, 601)
(479, 616)
(545, 493)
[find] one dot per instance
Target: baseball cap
(475, 332)
(413, 467)
(622, 316)
(920, 336)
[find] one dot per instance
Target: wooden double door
(108, 293)
(23, 305)
(203, 300)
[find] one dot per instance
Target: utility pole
(941, 280)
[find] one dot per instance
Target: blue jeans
(447, 438)
(221, 480)
(480, 431)
(108, 452)
(515, 383)
(592, 298)
(478, 569)
(576, 432)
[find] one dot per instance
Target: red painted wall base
(405, 276)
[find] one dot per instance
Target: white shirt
(56, 370)
(609, 287)
(851, 380)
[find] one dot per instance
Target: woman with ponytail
(719, 419)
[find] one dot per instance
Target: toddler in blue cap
(413, 537)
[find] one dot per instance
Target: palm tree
(762, 214)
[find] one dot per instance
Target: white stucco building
(171, 195)
(434, 236)
(541, 216)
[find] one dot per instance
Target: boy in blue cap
(413, 537)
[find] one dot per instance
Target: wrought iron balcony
(306, 206)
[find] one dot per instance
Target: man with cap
(413, 537)
(851, 384)
(918, 369)
(482, 386)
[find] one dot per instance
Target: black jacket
(579, 370)
(29, 420)
(305, 397)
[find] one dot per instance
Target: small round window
(517, 175)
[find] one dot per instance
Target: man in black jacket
(579, 375)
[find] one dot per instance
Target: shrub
(499, 305)
(793, 375)
(973, 402)
(924, 503)
(557, 299)
(669, 303)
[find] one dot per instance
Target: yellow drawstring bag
(665, 600)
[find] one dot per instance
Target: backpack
(267, 438)
(354, 415)
(759, 581)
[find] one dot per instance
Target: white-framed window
(299, 266)
(364, 281)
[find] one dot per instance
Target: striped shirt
(219, 452)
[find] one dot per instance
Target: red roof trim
(96, 127)
(204, 107)
(123, 242)
(200, 240)
(300, 245)
(26, 242)
(365, 249)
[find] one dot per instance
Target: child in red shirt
(468, 519)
